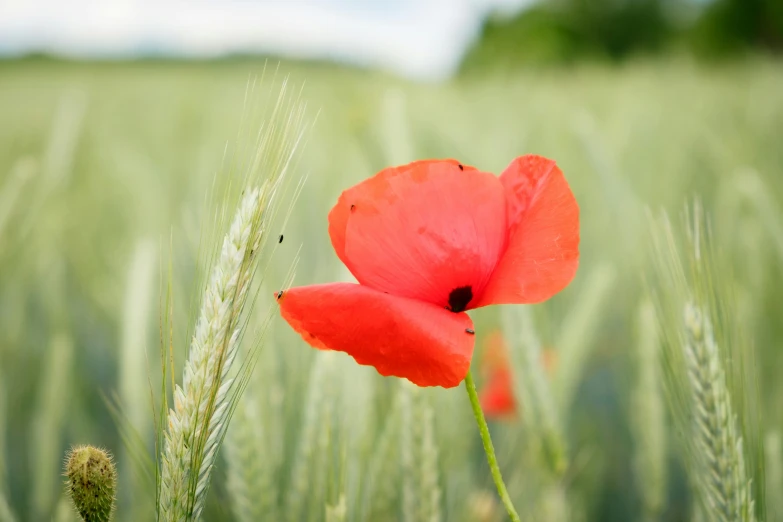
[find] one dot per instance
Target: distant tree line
(568, 30)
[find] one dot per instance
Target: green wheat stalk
(337, 512)
(10, 192)
(421, 495)
(58, 157)
(322, 463)
(532, 388)
(752, 187)
(356, 434)
(134, 406)
(648, 421)
(395, 128)
(383, 473)
(252, 464)
(307, 470)
(578, 331)
(135, 327)
(48, 423)
(773, 452)
(3, 423)
(690, 303)
(254, 447)
(6, 515)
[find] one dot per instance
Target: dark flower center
(459, 298)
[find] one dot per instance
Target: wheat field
(664, 402)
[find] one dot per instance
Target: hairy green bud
(92, 482)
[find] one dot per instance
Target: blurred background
(115, 116)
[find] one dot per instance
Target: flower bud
(92, 482)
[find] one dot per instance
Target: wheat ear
(196, 424)
(720, 473)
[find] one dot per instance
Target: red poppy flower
(497, 395)
(427, 241)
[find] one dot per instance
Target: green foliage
(735, 26)
(567, 31)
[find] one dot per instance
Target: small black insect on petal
(353, 207)
(461, 167)
(471, 331)
(281, 239)
(459, 298)
(279, 294)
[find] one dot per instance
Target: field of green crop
(648, 414)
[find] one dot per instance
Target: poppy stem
(489, 448)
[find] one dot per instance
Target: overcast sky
(423, 39)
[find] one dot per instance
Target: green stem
(488, 448)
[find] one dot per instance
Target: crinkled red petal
(543, 248)
(400, 337)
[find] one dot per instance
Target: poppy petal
(398, 336)
(430, 230)
(543, 248)
(338, 221)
